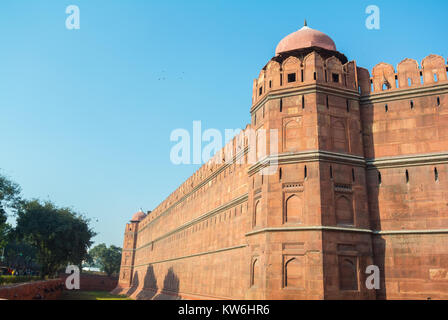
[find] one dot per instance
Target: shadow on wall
(150, 288)
(135, 284)
(170, 289)
(374, 180)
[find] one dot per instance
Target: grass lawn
(91, 295)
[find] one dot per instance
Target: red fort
(362, 179)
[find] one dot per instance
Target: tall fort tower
(361, 179)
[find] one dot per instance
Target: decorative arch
(348, 273)
(255, 273)
(339, 134)
(294, 274)
(257, 213)
(291, 131)
(273, 75)
(334, 67)
(294, 209)
(344, 210)
(313, 65)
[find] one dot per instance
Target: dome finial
(305, 24)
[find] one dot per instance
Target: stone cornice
(406, 161)
(347, 229)
(198, 186)
(192, 255)
(199, 219)
(307, 156)
(403, 232)
(306, 89)
(308, 228)
(408, 93)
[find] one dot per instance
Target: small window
(347, 102)
(335, 77)
(438, 101)
(436, 174)
(435, 77)
(260, 91)
(327, 103)
(407, 176)
(303, 102)
(353, 175)
(331, 172)
(281, 79)
(270, 83)
(280, 174)
(409, 82)
(301, 75)
(379, 178)
(412, 104)
(315, 76)
(386, 108)
(305, 172)
(291, 77)
(281, 105)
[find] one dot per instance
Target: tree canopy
(9, 198)
(60, 235)
(109, 259)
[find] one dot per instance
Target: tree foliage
(109, 259)
(60, 235)
(9, 198)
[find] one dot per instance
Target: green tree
(21, 254)
(9, 199)
(60, 235)
(109, 259)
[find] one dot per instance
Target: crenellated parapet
(291, 71)
(408, 74)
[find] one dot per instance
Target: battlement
(300, 71)
(409, 74)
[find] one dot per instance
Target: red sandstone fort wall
(361, 180)
(405, 133)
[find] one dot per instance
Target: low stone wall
(38, 290)
(93, 282)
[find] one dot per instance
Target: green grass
(91, 295)
(8, 280)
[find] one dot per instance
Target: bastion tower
(361, 180)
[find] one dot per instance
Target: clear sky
(86, 115)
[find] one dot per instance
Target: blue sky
(86, 115)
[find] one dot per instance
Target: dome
(138, 216)
(305, 38)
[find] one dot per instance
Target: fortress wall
(410, 125)
(346, 257)
(405, 126)
(412, 266)
(200, 238)
(221, 275)
(355, 168)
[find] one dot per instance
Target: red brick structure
(38, 290)
(362, 179)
